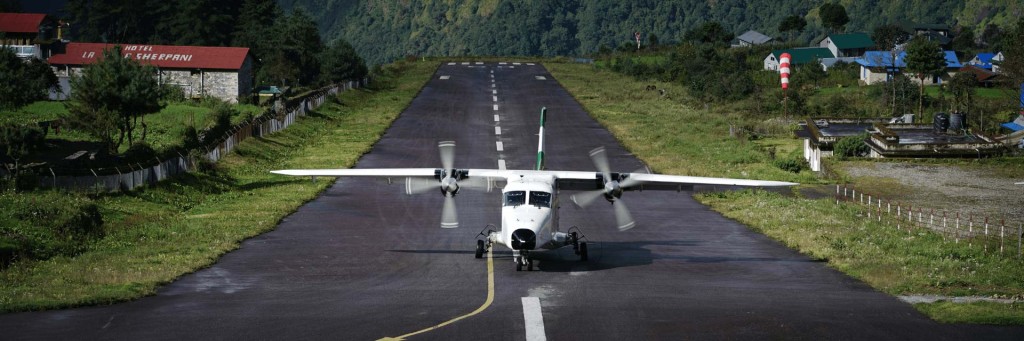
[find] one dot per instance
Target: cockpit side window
(514, 198)
(540, 199)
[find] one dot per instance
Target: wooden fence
(988, 233)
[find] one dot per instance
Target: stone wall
(226, 85)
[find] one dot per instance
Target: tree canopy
(924, 59)
(833, 16)
(792, 23)
(110, 97)
(22, 83)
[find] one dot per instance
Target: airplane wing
(356, 172)
(569, 180)
(576, 180)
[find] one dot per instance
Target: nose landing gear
(522, 257)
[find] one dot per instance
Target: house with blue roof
(880, 66)
(983, 60)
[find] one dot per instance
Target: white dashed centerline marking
(497, 130)
(479, 63)
(501, 164)
(494, 92)
(530, 64)
(495, 117)
(540, 78)
(465, 63)
(495, 107)
(500, 146)
(446, 77)
(517, 64)
(495, 98)
(451, 63)
(534, 320)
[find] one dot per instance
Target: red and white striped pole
(784, 74)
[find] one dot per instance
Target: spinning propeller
(614, 183)
(448, 180)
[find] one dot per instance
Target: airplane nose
(523, 239)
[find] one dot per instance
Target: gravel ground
(967, 190)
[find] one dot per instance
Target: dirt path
(970, 190)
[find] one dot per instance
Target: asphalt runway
(364, 261)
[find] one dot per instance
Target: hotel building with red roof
(222, 72)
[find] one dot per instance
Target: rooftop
(754, 37)
(21, 22)
(163, 56)
(803, 55)
(855, 40)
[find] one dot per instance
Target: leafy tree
(793, 23)
(851, 146)
(294, 58)
(992, 37)
(924, 59)
(23, 83)
(340, 62)
(963, 40)
(111, 96)
(962, 87)
(833, 16)
(886, 38)
(709, 32)
(1013, 65)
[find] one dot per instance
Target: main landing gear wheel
(583, 252)
(479, 249)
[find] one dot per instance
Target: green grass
(36, 112)
(979, 312)
(672, 137)
(156, 234)
(895, 261)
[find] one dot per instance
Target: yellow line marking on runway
(487, 303)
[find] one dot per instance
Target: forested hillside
(383, 30)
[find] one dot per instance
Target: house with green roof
(847, 44)
(798, 56)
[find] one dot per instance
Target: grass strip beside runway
(156, 234)
(673, 137)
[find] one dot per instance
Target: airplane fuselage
(529, 214)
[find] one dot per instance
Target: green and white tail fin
(540, 144)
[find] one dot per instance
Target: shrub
(46, 225)
(789, 164)
(851, 146)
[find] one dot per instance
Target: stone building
(221, 72)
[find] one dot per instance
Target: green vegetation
(22, 83)
(288, 45)
(155, 234)
(384, 31)
(673, 137)
(110, 97)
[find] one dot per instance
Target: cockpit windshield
(515, 198)
(540, 199)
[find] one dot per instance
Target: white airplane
(529, 213)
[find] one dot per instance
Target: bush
(851, 146)
(789, 165)
(46, 225)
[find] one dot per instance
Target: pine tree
(111, 96)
